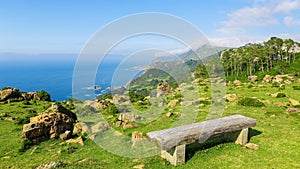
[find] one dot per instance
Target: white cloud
(295, 37)
(172, 52)
(232, 41)
(287, 6)
(250, 16)
(290, 21)
(261, 13)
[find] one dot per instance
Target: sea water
(55, 75)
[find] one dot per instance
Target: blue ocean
(54, 74)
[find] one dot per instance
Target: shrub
(106, 95)
(191, 88)
(251, 102)
(296, 106)
(275, 84)
(281, 87)
(26, 102)
(25, 144)
(22, 120)
(280, 95)
(138, 95)
(7, 87)
(43, 95)
(296, 87)
(110, 109)
(142, 105)
(206, 88)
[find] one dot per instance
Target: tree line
(259, 56)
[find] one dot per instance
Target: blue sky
(63, 26)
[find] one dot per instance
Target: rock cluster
(231, 97)
(237, 82)
(286, 79)
(96, 104)
(118, 99)
(136, 137)
(253, 78)
(163, 89)
(294, 102)
(173, 103)
(51, 165)
(81, 127)
(127, 120)
(56, 122)
(100, 127)
(9, 93)
(14, 94)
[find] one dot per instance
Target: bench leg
(242, 137)
(175, 158)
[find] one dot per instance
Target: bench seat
(175, 139)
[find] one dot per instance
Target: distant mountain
(204, 53)
(175, 68)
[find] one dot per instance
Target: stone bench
(172, 141)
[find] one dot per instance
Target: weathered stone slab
(172, 137)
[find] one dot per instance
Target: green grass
(276, 133)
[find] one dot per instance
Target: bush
(191, 88)
(25, 144)
(7, 87)
(249, 86)
(106, 95)
(138, 94)
(251, 102)
(296, 87)
(275, 84)
(142, 105)
(26, 102)
(22, 120)
(280, 95)
(43, 95)
(110, 109)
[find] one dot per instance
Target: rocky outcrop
(163, 89)
(125, 118)
(294, 102)
(267, 79)
(129, 126)
(173, 103)
(237, 82)
(13, 94)
(55, 121)
(10, 93)
(231, 97)
(100, 127)
(57, 108)
(81, 127)
(136, 137)
(96, 104)
(292, 110)
(253, 78)
(118, 99)
(52, 165)
(78, 140)
(287, 79)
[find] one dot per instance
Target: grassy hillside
(277, 131)
(276, 134)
